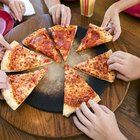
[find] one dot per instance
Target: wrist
(119, 136)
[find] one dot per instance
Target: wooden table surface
(128, 113)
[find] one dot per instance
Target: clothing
(134, 11)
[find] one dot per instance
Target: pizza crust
(8, 96)
(68, 110)
(104, 35)
(6, 58)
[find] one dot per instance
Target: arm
(111, 21)
(100, 125)
(60, 13)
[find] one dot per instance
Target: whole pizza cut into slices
(98, 67)
(76, 91)
(20, 58)
(40, 41)
(94, 36)
(21, 86)
(63, 37)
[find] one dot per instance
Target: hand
(6, 45)
(126, 65)
(111, 22)
(18, 9)
(3, 82)
(61, 14)
(100, 125)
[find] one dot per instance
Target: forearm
(50, 3)
(124, 4)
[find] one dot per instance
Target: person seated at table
(17, 8)
(111, 21)
(60, 13)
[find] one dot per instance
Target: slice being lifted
(94, 36)
(63, 37)
(20, 58)
(40, 41)
(21, 86)
(98, 67)
(76, 91)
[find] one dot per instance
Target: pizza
(94, 36)
(20, 58)
(40, 41)
(63, 38)
(98, 67)
(21, 86)
(76, 91)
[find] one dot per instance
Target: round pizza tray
(49, 93)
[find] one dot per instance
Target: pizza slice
(20, 58)
(40, 41)
(76, 91)
(21, 86)
(98, 67)
(63, 38)
(94, 36)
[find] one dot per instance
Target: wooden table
(127, 114)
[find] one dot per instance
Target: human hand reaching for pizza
(3, 82)
(4, 43)
(17, 8)
(126, 65)
(111, 22)
(61, 14)
(97, 125)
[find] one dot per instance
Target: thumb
(105, 22)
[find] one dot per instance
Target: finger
(63, 17)
(117, 33)
(111, 31)
(115, 59)
(82, 118)
(119, 54)
(116, 66)
(68, 17)
(105, 109)
(57, 15)
(122, 77)
(3, 86)
(22, 8)
(2, 74)
(3, 80)
(19, 10)
(53, 17)
(86, 111)
(4, 42)
(79, 125)
(14, 9)
(96, 108)
(105, 22)
(13, 15)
